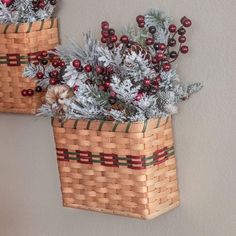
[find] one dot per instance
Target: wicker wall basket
(20, 44)
(127, 169)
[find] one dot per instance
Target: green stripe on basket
(115, 126)
(29, 27)
(17, 27)
(158, 122)
(167, 119)
(145, 126)
(52, 23)
(88, 124)
(42, 24)
(75, 124)
(52, 121)
(128, 127)
(101, 125)
(6, 28)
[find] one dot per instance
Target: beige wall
(30, 203)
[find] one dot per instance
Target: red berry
(182, 39)
(140, 19)
(105, 25)
(88, 68)
(160, 56)
(124, 39)
(99, 70)
(154, 60)
(187, 23)
(184, 49)
(104, 40)
(39, 57)
(113, 38)
(141, 25)
(53, 81)
(76, 87)
(55, 63)
(41, 5)
(147, 82)
(166, 67)
(183, 19)
(40, 75)
(36, 63)
(62, 64)
(139, 96)
(149, 41)
(107, 84)
(30, 92)
(109, 70)
(161, 46)
(156, 81)
(172, 28)
(105, 33)
(44, 54)
(54, 74)
(113, 94)
(76, 63)
(102, 87)
(24, 93)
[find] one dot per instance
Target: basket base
(19, 111)
(125, 214)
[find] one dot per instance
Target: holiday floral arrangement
(22, 11)
(127, 78)
(111, 103)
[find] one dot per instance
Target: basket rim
(28, 27)
(112, 126)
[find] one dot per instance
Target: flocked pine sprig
(21, 11)
(131, 77)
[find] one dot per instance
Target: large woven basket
(20, 44)
(119, 168)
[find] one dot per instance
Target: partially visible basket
(119, 168)
(19, 44)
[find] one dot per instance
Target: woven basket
(119, 168)
(20, 44)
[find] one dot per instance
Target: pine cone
(56, 96)
(137, 48)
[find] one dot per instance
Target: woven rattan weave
(20, 44)
(119, 168)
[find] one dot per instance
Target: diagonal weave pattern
(18, 44)
(136, 192)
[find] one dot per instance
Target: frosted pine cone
(57, 97)
(138, 49)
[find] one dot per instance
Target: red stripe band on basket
(15, 59)
(113, 160)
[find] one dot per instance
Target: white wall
(30, 201)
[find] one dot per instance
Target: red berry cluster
(164, 56)
(180, 32)
(41, 4)
(102, 75)
(44, 59)
(108, 35)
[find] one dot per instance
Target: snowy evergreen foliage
(21, 11)
(122, 81)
